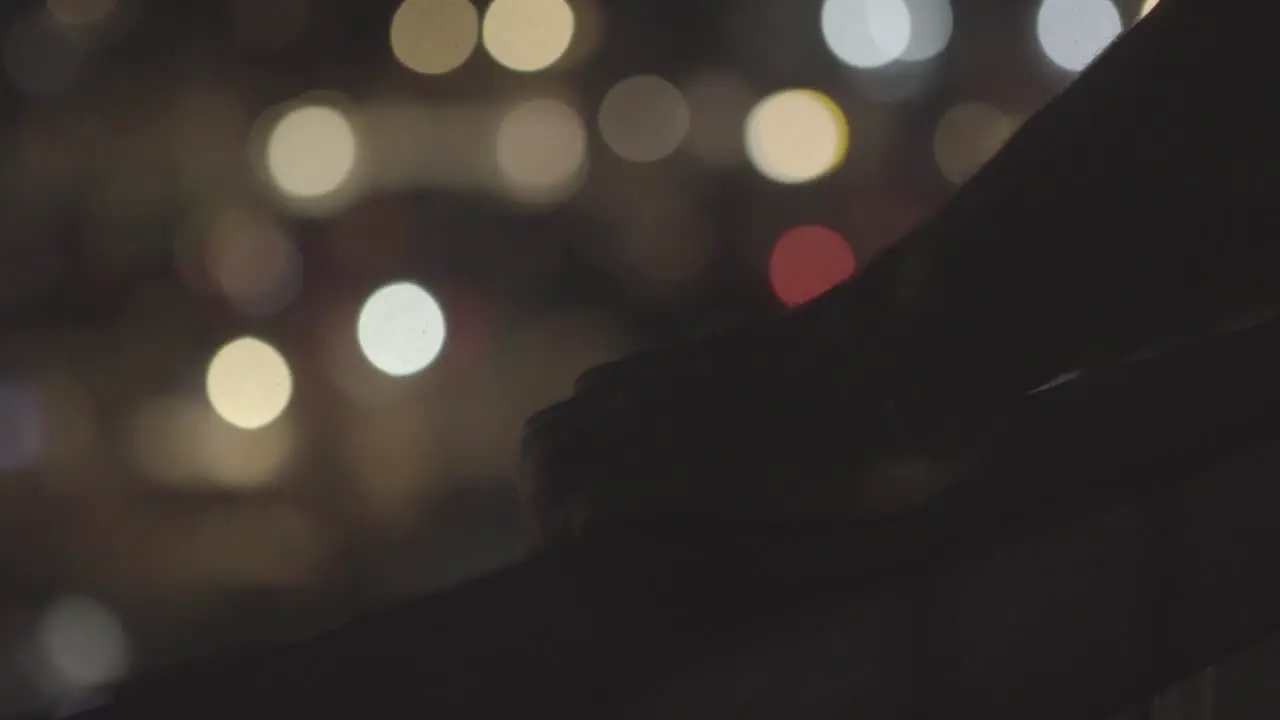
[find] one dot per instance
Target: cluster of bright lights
(434, 37)
(869, 34)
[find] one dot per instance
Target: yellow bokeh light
(433, 37)
(796, 136)
(311, 151)
(541, 150)
(401, 329)
(528, 35)
(967, 136)
(1147, 6)
(249, 383)
(643, 118)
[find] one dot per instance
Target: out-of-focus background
(280, 279)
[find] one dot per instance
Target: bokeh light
(643, 118)
(541, 150)
(83, 643)
(528, 35)
(932, 22)
(254, 263)
(22, 426)
(78, 13)
(796, 136)
(967, 136)
(433, 37)
(249, 383)
(1074, 32)
(401, 329)
(311, 151)
(808, 261)
(866, 33)
(1147, 6)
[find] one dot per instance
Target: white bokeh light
(866, 33)
(311, 151)
(931, 24)
(401, 329)
(1074, 32)
(83, 642)
(796, 136)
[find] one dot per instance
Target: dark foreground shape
(1117, 536)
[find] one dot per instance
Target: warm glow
(1147, 6)
(528, 35)
(796, 136)
(401, 329)
(541, 150)
(968, 135)
(808, 261)
(433, 37)
(311, 151)
(1074, 32)
(643, 118)
(866, 33)
(249, 383)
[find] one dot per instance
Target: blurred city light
(807, 261)
(528, 35)
(867, 33)
(796, 136)
(932, 22)
(1074, 32)
(256, 265)
(1147, 6)
(78, 13)
(311, 151)
(643, 118)
(541, 150)
(433, 37)
(22, 426)
(249, 383)
(83, 643)
(967, 136)
(401, 329)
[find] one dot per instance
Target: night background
(281, 279)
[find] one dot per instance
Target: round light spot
(249, 383)
(541, 150)
(796, 136)
(866, 33)
(83, 642)
(254, 263)
(643, 118)
(932, 22)
(1074, 32)
(528, 35)
(968, 135)
(401, 329)
(311, 151)
(433, 37)
(808, 261)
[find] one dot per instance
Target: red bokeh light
(807, 261)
